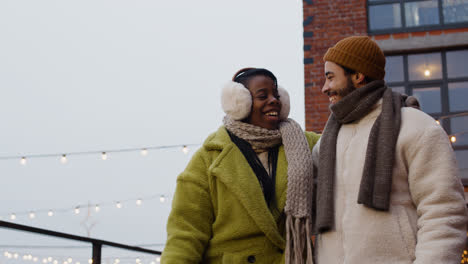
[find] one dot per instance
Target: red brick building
(426, 46)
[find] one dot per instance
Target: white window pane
(384, 16)
(455, 11)
(426, 66)
(429, 99)
(421, 13)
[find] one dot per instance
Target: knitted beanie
(358, 53)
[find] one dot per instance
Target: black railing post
(97, 253)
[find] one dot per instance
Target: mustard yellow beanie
(358, 53)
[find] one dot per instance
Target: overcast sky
(97, 75)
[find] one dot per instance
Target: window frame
(442, 82)
(404, 28)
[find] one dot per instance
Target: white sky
(112, 74)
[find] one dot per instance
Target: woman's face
(266, 105)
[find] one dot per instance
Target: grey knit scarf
(298, 207)
(376, 181)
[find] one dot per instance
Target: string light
(69, 260)
(438, 122)
(104, 156)
(427, 73)
(144, 152)
(116, 260)
(137, 260)
(97, 207)
(15, 255)
(44, 260)
(64, 157)
(158, 259)
(185, 150)
(90, 261)
(453, 139)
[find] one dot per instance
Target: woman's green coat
(219, 214)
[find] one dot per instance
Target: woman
(245, 195)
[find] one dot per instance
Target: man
(387, 186)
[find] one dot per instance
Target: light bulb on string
(137, 260)
(453, 139)
(63, 159)
(152, 262)
(9, 255)
(438, 122)
(427, 73)
(5, 253)
(69, 260)
(35, 259)
(185, 149)
(97, 209)
(90, 261)
(55, 262)
(44, 260)
(144, 152)
(49, 259)
(77, 210)
(77, 262)
(162, 199)
(104, 156)
(50, 213)
(23, 161)
(118, 205)
(12, 216)
(15, 255)
(139, 202)
(32, 215)
(158, 259)
(116, 260)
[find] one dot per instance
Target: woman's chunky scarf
(298, 207)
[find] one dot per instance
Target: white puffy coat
(427, 219)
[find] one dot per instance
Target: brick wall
(325, 23)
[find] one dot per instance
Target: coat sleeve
(437, 192)
(191, 217)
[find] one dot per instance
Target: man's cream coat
(427, 219)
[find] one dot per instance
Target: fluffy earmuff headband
(236, 100)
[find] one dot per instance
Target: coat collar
(243, 183)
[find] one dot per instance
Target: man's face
(338, 84)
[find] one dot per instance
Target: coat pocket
(407, 232)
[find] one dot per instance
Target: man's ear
(358, 79)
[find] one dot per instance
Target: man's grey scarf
(376, 181)
(298, 207)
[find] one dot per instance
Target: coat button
(251, 259)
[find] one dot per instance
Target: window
(387, 16)
(440, 82)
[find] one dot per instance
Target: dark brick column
(325, 23)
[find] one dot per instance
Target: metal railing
(96, 243)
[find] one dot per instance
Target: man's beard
(348, 89)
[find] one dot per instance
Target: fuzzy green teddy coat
(219, 214)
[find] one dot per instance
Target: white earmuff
(285, 103)
(236, 101)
